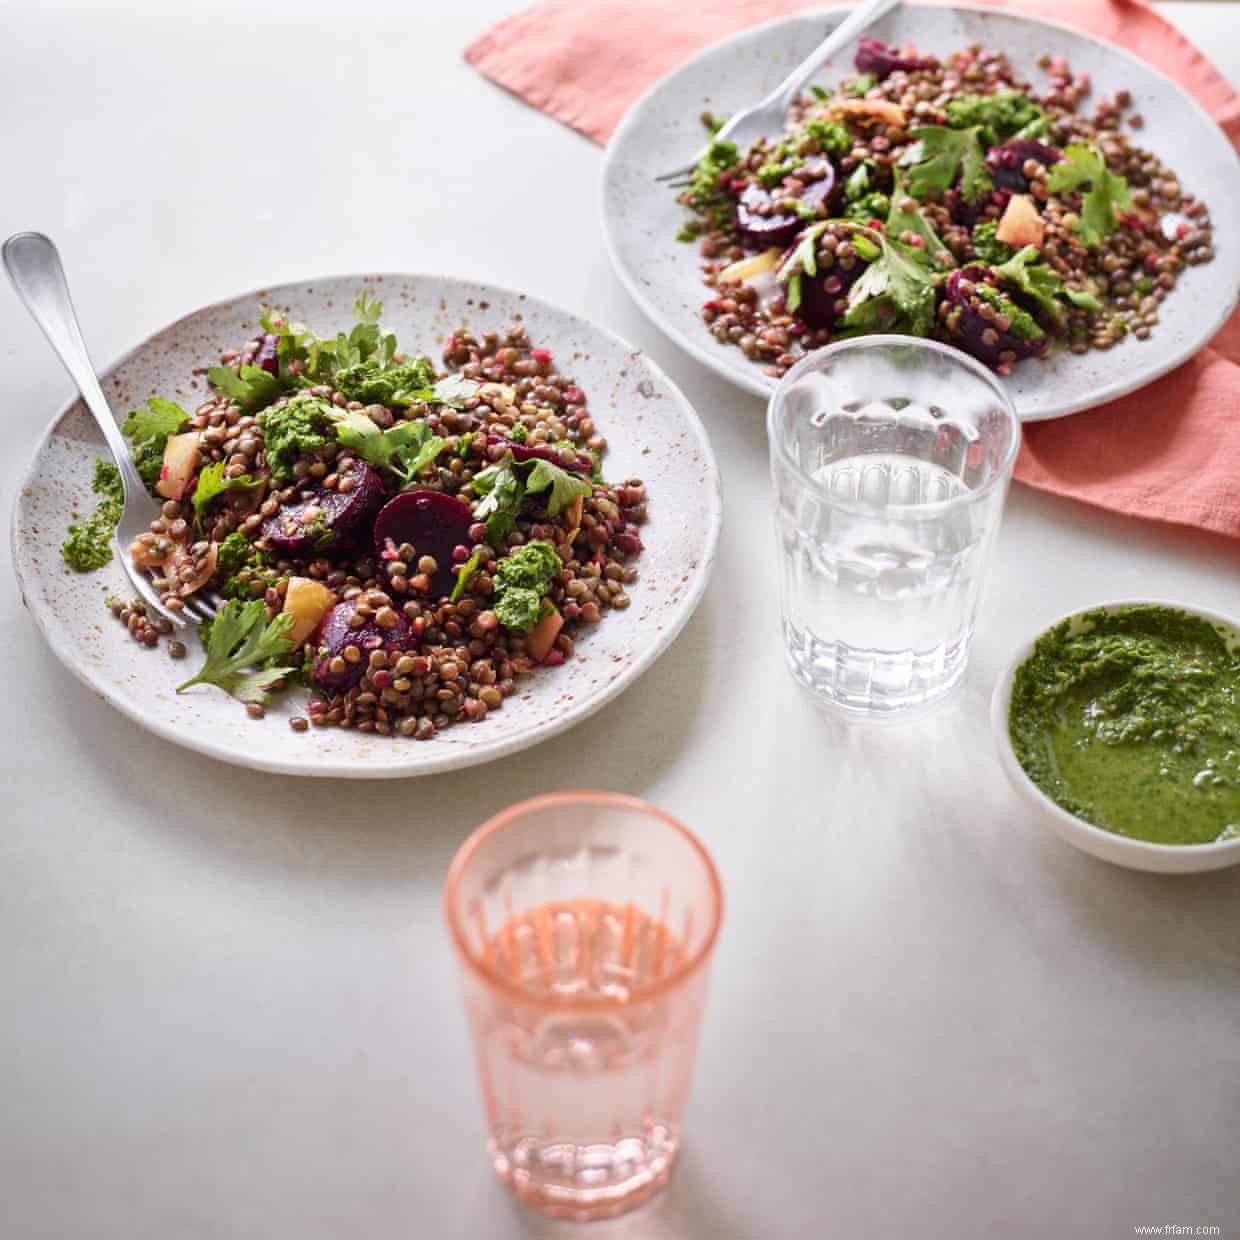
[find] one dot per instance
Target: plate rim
(451, 759)
(751, 380)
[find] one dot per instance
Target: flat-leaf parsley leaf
(241, 651)
(1100, 204)
(504, 485)
(1043, 285)
(939, 155)
(895, 293)
(211, 483)
(405, 448)
(249, 389)
(900, 221)
(148, 430)
(561, 486)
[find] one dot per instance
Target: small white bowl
(1118, 849)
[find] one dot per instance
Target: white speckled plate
(662, 131)
(652, 433)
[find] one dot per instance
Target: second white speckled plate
(652, 432)
(662, 131)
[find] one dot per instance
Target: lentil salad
(944, 199)
(408, 542)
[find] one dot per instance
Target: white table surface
(230, 1009)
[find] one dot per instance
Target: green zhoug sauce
(1131, 721)
(89, 542)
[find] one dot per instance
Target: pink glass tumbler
(584, 923)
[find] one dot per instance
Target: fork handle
(34, 267)
(862, 17)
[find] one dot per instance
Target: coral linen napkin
(1170, 452)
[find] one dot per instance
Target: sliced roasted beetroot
(876, 57)
(761, 226)
(969, 213)
(432, 523)
(334, 635)
(321, 521)
(975, 332)
(266, 357)
(542, 452)
(824, 298)
(824, 295)
(1006, 162)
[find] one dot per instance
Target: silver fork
(767, 117)
(34, 267)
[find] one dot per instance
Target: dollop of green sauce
(303, 424)
(88, 545)
(1131, 721)
(521, 580)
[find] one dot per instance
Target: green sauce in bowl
(1131, 721)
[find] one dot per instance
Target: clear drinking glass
(584, 923)
(890, 458)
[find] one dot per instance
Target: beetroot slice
(334, 634)
(1007, 161)
(266, 358)
(969, 332)
(434, 524)
(970, 213)
(820, 295)
(542, 452)
(319, 521)
(876, 57)
(760, 231)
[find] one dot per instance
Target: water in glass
(591, 1102)
(890, 472)
(584, 924)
